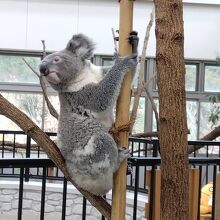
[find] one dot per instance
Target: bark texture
(30, 128)
(172, 114)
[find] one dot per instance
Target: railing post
(28, 154)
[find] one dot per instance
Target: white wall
(25, 22)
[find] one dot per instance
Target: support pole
(122, 111)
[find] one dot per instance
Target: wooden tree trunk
(122, 111)
(173, 126)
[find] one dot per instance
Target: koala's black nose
(43, 69)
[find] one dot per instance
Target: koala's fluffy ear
(81, 45)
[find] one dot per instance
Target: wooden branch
(31, 129)
(208, 137)
(141, 72)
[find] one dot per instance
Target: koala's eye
(56, 60)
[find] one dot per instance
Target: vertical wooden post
(122, 111)
(217, 198)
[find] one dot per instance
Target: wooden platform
(205, 216)
(193, 195)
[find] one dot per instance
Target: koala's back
(90, 152)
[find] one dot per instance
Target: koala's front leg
(102, 96)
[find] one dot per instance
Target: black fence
(145, 156)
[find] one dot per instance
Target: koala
(87, 95)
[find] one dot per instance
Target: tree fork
(172, 114)
(122, 111)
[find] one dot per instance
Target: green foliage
(214, 117)
(214, 99)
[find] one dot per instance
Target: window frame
(200, 95)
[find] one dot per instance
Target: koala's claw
(123, 153)
(133, 40)
(129, 169)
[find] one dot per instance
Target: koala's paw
(133, 40)
(123, 153)
(129, 169)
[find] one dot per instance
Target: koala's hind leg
(123, 153)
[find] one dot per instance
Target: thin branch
(51, 109)
(42, 80)
(35, 72)
(115, 41)
(44, 48)
(154, 107)
(146, 134)
(141, 72)
(43, 140)
(17, 145)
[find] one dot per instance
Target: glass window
(192, 119)
(31, 104)
(212, 78)
(51, 123)
(13, 69)
(107, 61)
(139, 123)
(205, 111)
(190, 77)
(7, 124)
(110, 62)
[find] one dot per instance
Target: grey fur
(91, 154)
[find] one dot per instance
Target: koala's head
(63, 67)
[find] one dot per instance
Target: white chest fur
(89, 74)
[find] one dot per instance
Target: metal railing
(151, 163)
(144, 153)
